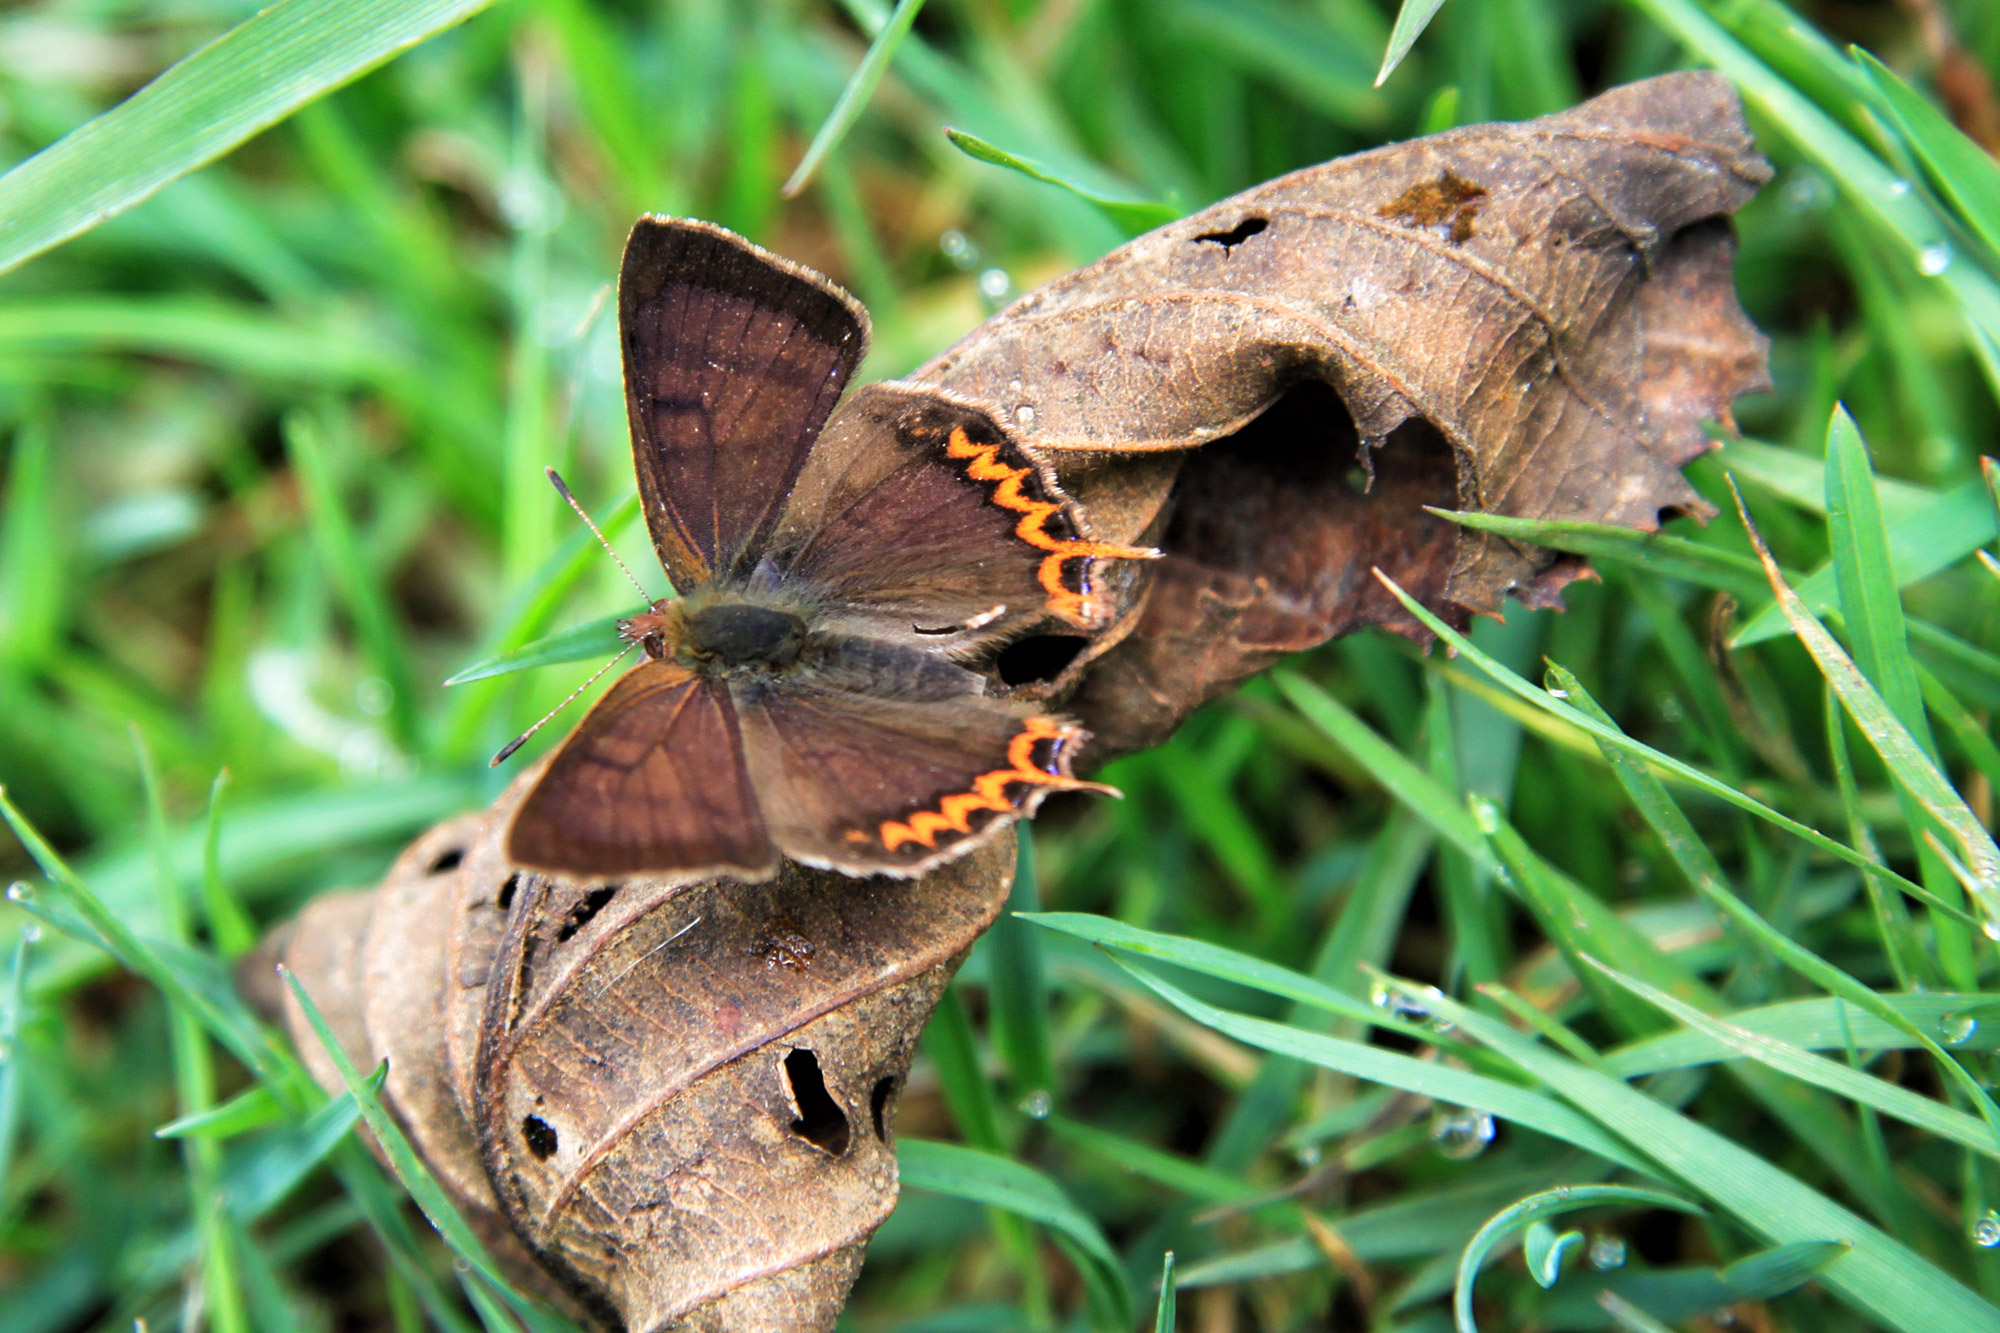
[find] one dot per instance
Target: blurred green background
(272, 448)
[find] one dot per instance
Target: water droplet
(1986, 1231)
(1957, 1029)
(1607, 1253)
(958, 249)
(1462, 1135)
(1990, 929)
(994, 284)
(1934, 259)
(18, 892)
(1558, 694)
(1898, 188)
(1025, 414)
(1387, 997)
(1037, 1105)
(1486, 816)
(32, 932)
(1806, 192)
(1308, 1156)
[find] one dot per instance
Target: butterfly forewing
(733, 359)
(653, 779)
(918, 512)
(871, 784)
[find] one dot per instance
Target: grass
(1679, 897)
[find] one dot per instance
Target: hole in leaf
(821, 1121)
(878, 1102)
(541, 1137)
(1237, 234)
(505, 898)
(448, 859)
(1039, 657)
(579, 915)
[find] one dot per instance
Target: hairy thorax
(720, 633)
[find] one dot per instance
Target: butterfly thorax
(718, 634)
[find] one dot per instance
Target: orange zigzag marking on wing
(989, 790)
(1083, 608)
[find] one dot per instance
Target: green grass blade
(854, 97)
(1163, 1318)
(1227, 964)
(1656, 553)
(1698, 864)
(251, 77)
(1963, 172)
(1820, 1024)
(359, 583)
(1604, 732)
(592, 641)
(1505, 1101)
(1134, 215)
(252, 1108)
(1018, 989)
(1904, 756)
(416, 1177)
(1402, 779)
(229, 926)
(999, 1182)
(1935, 538)
(1898, 1287)
(13, 1005)
(1537, 1208)
(220, 1011)
(1411, 20)
(1772, 1273)
(1843, 1080)
(1869, 607)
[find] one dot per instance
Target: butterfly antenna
(507, 750)
(556, 480)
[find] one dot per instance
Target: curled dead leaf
(1524, 319)
(666, 1104)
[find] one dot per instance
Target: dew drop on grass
(1461, 1136)
(1990, 929)
(1037, 1105)
(1934, 259)
(1607, 1253)
(1398, 1005)
(1986, 1231)
(32, 932)
(1957, 1029)
(19, 892)
(1898, 188)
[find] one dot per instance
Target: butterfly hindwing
(652, 779)
(733, 359)
(918, 513)
(866, 783)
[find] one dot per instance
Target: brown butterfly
(811, 693)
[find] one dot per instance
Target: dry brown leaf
(1530, 320)
(669, 1103)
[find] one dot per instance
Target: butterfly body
(824, 688)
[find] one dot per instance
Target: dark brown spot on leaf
(1450, 201)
